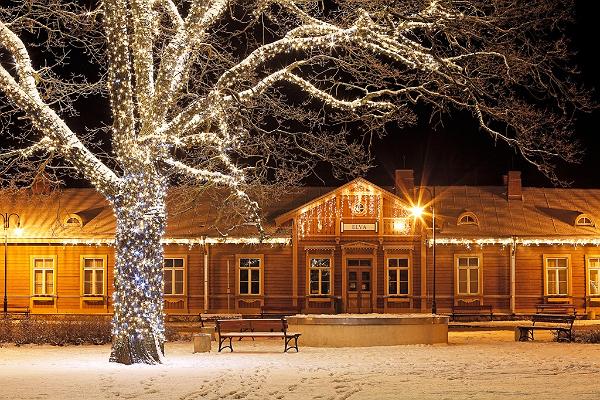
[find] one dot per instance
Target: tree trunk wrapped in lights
(138, 329)
(245, 94)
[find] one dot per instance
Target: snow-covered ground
(475, 365)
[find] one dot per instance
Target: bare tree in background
(239, 94)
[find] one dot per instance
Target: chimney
(513, 186)
(404, 183)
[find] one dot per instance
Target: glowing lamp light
(18, 230)
(416, 211)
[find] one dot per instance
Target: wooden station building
(355, 248)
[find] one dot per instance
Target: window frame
(184, 268)
(588, 274)
(309, 268)
(261, 258)
(467, 214)
(78, 223)
(547, 257)
(457, 268)
(54, 268)
(82, 269)
(397, 256)
(582, 216)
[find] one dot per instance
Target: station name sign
(359, 227)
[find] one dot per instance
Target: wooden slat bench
(472, 310)
(277, 311)
(18, 310)
(214, 317)
(562, 324)
(228, 329)
(556, 309)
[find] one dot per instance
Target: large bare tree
(244, 93)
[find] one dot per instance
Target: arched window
(73, 220)
(584, 220)
(467, 218)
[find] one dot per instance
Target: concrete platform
(364, 330)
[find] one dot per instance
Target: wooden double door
(359, 285)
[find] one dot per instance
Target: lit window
(320, 276)
(468, 275)
(93, 276)
(43, 276)
(398, 276)
(594, 275)
(584, 220)
(359, 208)
(557, 273)
(467, 219)
(174, 272)
(249, 273)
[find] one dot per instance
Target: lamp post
(417, 211)
(6, 223)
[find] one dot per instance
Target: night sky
(459, 154)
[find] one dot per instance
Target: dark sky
(460, 154)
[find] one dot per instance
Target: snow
(474, 365)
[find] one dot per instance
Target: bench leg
(288, 339)
(221, 347)
(525, 334)
(564, 335)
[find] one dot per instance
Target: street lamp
(417, 212)
(6, 223)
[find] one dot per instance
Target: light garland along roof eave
(168, 241)
(523, 241)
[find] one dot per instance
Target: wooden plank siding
(277, 276)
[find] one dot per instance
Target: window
(468, 269)
(250, 275)
(584, 220)
(73, 220)
(93, 275)
(43, 276)
(467, 218)
(174, 273)
(594, 276)
(557, 276)
(398, 276)
(359, 208)
(320, 276)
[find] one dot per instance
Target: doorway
(359, 289)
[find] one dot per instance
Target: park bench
(562, 324)
(279, 311)
(555, 309)
(18, 310)
(472, 310)
(227, 329)
(205, 318)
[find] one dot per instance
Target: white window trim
(588, 274)
(33, 269)
(104, 259)
(78, 224)
(569, 272)
(479, 275)
(184, 268)
(261, 268)
(582, 216)
(459, 220)
(310, 268)
(387, 274)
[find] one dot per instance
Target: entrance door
(359, 285)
